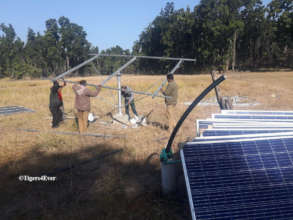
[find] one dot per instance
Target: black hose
(190, 108)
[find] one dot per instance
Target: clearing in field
(107, 178)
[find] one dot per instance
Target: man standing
(55, 104)
(82, 103)
(129, 100)
(171, 100)
(61, 98)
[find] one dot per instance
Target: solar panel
(225, 132)
(240, 179)
(204, 123)
(242, 136)
(248, 116)
(255, 112)
(231, 127)
(7, 110)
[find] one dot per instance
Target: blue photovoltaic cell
(207, 133)
(267, 117)
(257, 112)
(7, 110)
(204, 124)
(242, 137)
(250, 179)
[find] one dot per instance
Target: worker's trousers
(132, 107)
(170, 114)
(82, 117)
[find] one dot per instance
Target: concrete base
(123, 120)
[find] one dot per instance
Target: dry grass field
(124, 185)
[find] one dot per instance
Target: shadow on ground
(95, 182)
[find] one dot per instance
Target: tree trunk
(227, 64)
(234, 51)
(67, 62)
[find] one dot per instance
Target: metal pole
(118, 71)
(147, 57)
(119, 93)
(165, 81)
(76, 68)
(108, 87)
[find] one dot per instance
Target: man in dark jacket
(82, 103)
(56, 104)
(171, 100)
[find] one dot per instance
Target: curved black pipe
(190, 108)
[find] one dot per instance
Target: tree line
(224, 34)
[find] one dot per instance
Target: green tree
(75, 47)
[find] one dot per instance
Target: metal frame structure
(118, 73)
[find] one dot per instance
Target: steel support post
(119, 93)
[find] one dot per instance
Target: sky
(107, 22)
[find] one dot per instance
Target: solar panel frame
(245, 196)
(249, 121)
(188, 188)
(253, 117)
(203, 123)
(263, 112)
(252, 127)
(210, 123)
(242, 136)
(7, 110)
(228, 132)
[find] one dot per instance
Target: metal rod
(190, 108)
(108, 87)
(119, 94)
(165, 81)
(76, 68)
(147, 57)
(73, 133)
(119, 70)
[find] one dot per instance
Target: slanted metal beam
(147, 57)
(165, 81)
(108, 87)
(73, 133)
(76, 68)
(119, 70)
